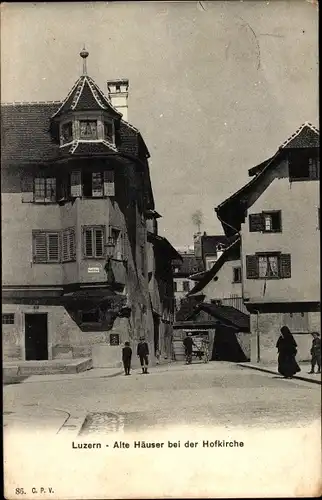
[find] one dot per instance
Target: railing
(236, 302)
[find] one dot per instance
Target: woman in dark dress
(287, 350)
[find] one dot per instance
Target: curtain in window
(262, 266)
(273, 266)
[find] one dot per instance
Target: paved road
(218, 394)
(198, 403)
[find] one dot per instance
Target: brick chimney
(118, 92)
(197, 244)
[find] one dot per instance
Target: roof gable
(232, 251)
(307, 136)
(85, 95)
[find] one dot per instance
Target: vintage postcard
(160, 173)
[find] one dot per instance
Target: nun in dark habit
(287, 350)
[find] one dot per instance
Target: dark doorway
(156, 323)
(36, 337)
(226, 346)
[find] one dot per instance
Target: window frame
(44, 199)
(91, 137)
(313, 168)
(271, 214)
(109, 138)
(118, 237)
(7, 315)
(187, 283)
(237, 268)
(93, 228)
(47, 234)
(284, 262)
(64, 141)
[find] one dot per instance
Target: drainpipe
(257, 338)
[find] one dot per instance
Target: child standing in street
(316, 352)
(126, 358)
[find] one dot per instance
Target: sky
(215, 87)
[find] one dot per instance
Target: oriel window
(108, 131)
(88, 129)
(66, 133)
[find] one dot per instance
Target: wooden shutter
(109, 186)
(88, 243)
(76, 183)
(256, 223)
(39, 247)
(53, 247)
(27, 187)
(251, 267)
(72, 244)
(285, 265)
(65, 249)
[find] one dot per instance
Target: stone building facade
(76, 201)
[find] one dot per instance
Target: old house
(161, 254)
(76, 197)
(222, 283)
(277, 215)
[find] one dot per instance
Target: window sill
(68, 261)
(93, 258)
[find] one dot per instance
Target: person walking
(287, 350)
(316, 352)
(188, 343)
(126, 358)
(143, 353)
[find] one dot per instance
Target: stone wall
(267, 328)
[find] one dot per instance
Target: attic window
(303, 166)
(108, 131)
(118, 87)
(66, 133)
(88, 129)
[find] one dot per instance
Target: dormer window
(108, 131)
(66, 133)
(88, 129)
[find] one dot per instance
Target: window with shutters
(93, 184)
(266, 222)
(46, 247)
(268, 266)
(93, 241)
(68, 241)
(303, 165)
(45, 189)
(272, 221)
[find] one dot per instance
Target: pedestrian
(188, 343)
(143, 353)
(126, 358)
(287, 350)
(316, 352)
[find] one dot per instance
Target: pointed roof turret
(85, 95)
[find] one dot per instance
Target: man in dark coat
(126, 358)
(316, 352)
(143, 353)
(188, 343)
